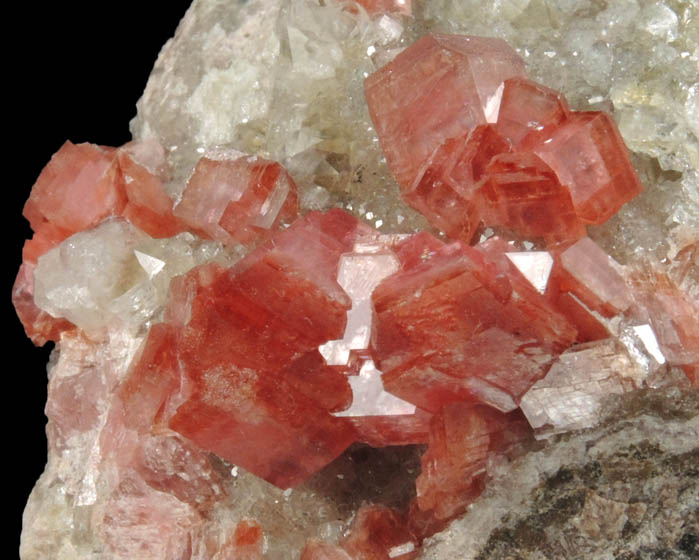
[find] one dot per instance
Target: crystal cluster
(216, 318)
(475, 140)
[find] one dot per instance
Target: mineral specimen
(255, 341)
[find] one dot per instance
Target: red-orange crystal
(248, 351)
(462, 326)
(462, 438)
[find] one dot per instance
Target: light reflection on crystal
(535, 266)
(369, 397)
(150, 264)
(647, 336)
(359, 273)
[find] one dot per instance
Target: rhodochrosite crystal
(458, 81)
(236, 200)
(262, 352)
(559, 169)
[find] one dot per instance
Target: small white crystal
(116, 272)
(571, 394)
(401, 549)
(647, 336)
(150, 264)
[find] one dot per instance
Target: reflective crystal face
(570, 396)
(238, 200)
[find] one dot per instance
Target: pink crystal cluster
(470, 139)
(237, 199)
(328, 333)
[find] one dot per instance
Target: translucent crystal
(535, 266)
(369, 397)
(115, 272)
(571, 395)
(358, 274)
(459, 88)
(240, 199)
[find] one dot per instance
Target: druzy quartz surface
(230, 324)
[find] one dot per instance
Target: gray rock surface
(628, 489)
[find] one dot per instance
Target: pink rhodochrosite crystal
(441, 87)
(541, 170)
(590, 158)
(671, 314)
(237, 200)
(240, 200)
(444, 190)
(226, 318)
(76, 190)
(386, 6)
(528, 111)
(462, 437)
(594, 277)
(142, 169)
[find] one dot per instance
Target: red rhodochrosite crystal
(446, 189)
(377, 533)
(403, 429)
(463, 326)
(440, 87)
(248, 352)
(462, 437)
(380, 533)
(523, 194)
(540, 170)
(238, 200)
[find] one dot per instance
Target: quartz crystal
(340, 283)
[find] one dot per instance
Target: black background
(72, 70)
